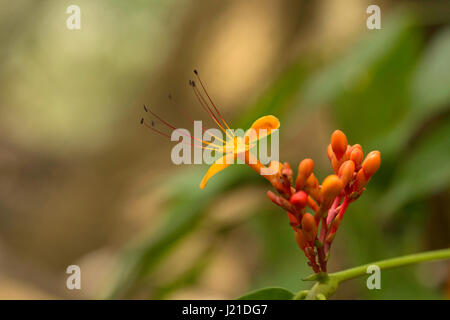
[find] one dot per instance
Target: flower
(240, 146)
(231, 148)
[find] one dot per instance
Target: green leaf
(272, 293)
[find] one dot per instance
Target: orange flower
(232, 147)
(240, 146)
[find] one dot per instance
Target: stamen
(206, 92)
(207, 108)
(192, 120)
(175, 129)
(167, 136)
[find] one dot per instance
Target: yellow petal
(267, 124)
(219, 165)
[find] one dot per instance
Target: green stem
(392, 263)
(327, 284)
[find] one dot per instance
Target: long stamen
(177, 129)
(206, 92)
(192, 120)
(143, 122)
(207, 108)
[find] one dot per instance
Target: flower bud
(360, 180)
(299, 199)
(356, 156)
(331, 187)
(309, 226)
(335, 164)
(300, 238)
(312, 187)
(357, 146)
(371, 163)
(339, 143)
(330, 152)
(346, 172)
(305, 168)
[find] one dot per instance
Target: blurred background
(81, 182)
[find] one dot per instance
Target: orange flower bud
(312, 181)
(312, 187)
(305, 168)
(331, 187)
(330, 152)
(348, 152)
(299, 199)
(309, 227)
(356, 156)
(357, 146)
(335, 164)
(339, 143)
(346, 172)
(308, 222)
(371, 163)
(360, 180)
(300, 238)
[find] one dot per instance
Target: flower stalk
(327, 284)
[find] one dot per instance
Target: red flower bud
(299, 199)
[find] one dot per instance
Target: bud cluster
(312, 206)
